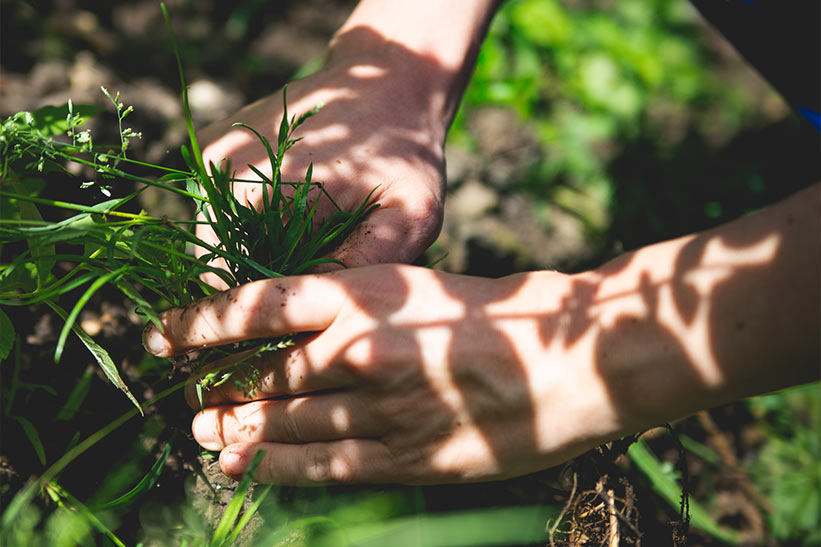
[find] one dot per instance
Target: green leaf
(76, 397)
(75, 311)
(192, 136)
(58, 494)
(199, 395)
(6, 335)
(145, 484)
(143, 305)
(24, 496)
(305, 266)
(283, 124)
(249, 513)
(15, 381)
(669, 489)
(51, 120)
(101, 355)
(514, 525)
(28, 211)
(33, 437)
(222, 534)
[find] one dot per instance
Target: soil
(236, 52)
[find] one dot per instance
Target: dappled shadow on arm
(359, 142)
(465, 379)
(735, 315)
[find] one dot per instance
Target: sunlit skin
(388, 91)
(405, 374)
(416, 376)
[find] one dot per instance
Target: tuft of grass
(144, 256)
(57, 254)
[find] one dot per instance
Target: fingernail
(231, 463)
(191, 393)
(154, 342)
(205, 434)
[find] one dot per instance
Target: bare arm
(714, 317)
(416, 376)
(449, 34)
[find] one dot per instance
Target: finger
(397, 231)
(320, 417)
(287, 371)
(312, 464)
(262, 309)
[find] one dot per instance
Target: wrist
(426, 47)
(705, 319)
(652, 352)
(555, 340)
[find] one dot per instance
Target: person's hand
(409, 376)
(403, 374)
(381, 129)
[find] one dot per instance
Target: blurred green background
(635, 118)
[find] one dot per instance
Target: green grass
(146, 258)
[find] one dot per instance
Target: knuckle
(317, 461)
(328, 463)
(360, 355)
(267, 384)
(425, 213)
(290, 431)
(426, 206)
(274, 376)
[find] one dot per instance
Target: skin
(409, 375)
(403, 374)
(389, 88)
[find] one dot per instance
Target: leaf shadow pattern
(402, 379)
(356, 144)
(430, 366)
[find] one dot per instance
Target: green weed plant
(148, 259)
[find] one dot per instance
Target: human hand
(408, 375)
(380, 130)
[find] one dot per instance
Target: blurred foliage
(617, 94)
(788, 467)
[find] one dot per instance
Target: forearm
(709, 318)
(431, 45)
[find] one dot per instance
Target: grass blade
(669, 489)
(76, 397)
(229, 517)
(33, 437)
(58, 494)
(25, 495)
(142, 304)
(146, 483)
(101, 355)
(246, 516)
(29, 211)
(186, 108)
(72, 317)
(6, 335)
(15, 379)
